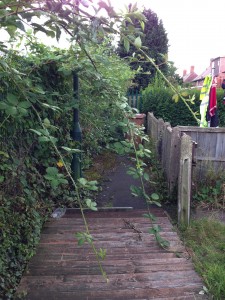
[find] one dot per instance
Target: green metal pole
(76, 132)
(141, 101)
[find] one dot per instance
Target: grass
(206, 240)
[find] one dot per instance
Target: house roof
(189, 77)
(202, 75)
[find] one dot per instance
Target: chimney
(211, 62)
(184, 73)
(192, 69)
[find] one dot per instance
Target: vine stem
(137, 162)
(140, 175)
(4, 121)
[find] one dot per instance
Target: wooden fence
(135, 99)
(181, 147)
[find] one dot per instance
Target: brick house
(188, 77)
(217, 67)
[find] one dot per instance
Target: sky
(195, 29)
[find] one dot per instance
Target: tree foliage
(153, 40)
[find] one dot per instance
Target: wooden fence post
(184, 180)
(173, 170)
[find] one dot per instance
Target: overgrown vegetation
(206, 239)
(36, 97)
(210, 192)
(33, 179)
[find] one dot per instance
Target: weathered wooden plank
(149, 293)
(111, 248)
(121, 213)
(75, 279)
(112, 261)
(123, 237)
(73, 257)
(113, 283)
(55, 229)
(121, 268)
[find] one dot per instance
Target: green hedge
(42, 81)
(158, 99)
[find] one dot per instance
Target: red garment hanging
(212, 100)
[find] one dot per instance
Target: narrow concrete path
(116, 187)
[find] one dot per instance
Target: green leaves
(83, 237)
(55, 178)
(13, 107)
(102, 253)
(70, 150)
(156, 229)
(38, 27)
(175, 98)
(138, 42)
(123, 147)
(91, 204)
(126, 44)
(44, 136)
(12, 99)
(89, 185)
(136, 191)
(133, 172)
(150, 216)
(155, 196)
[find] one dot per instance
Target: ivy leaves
(86, 185)
(13, 107)
(54, 177)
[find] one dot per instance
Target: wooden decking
(136, 266)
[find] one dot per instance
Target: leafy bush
(158, 98)
(36, 90)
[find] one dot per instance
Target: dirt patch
(102, 164)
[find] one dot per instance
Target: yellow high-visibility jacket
(204, 97)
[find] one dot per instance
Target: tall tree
(155, 44)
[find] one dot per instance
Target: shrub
(42, 81)
(157, 98)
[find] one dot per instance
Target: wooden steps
(137, 268)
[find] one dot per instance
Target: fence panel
(167, 141)
(177, 152)
(210, 152)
